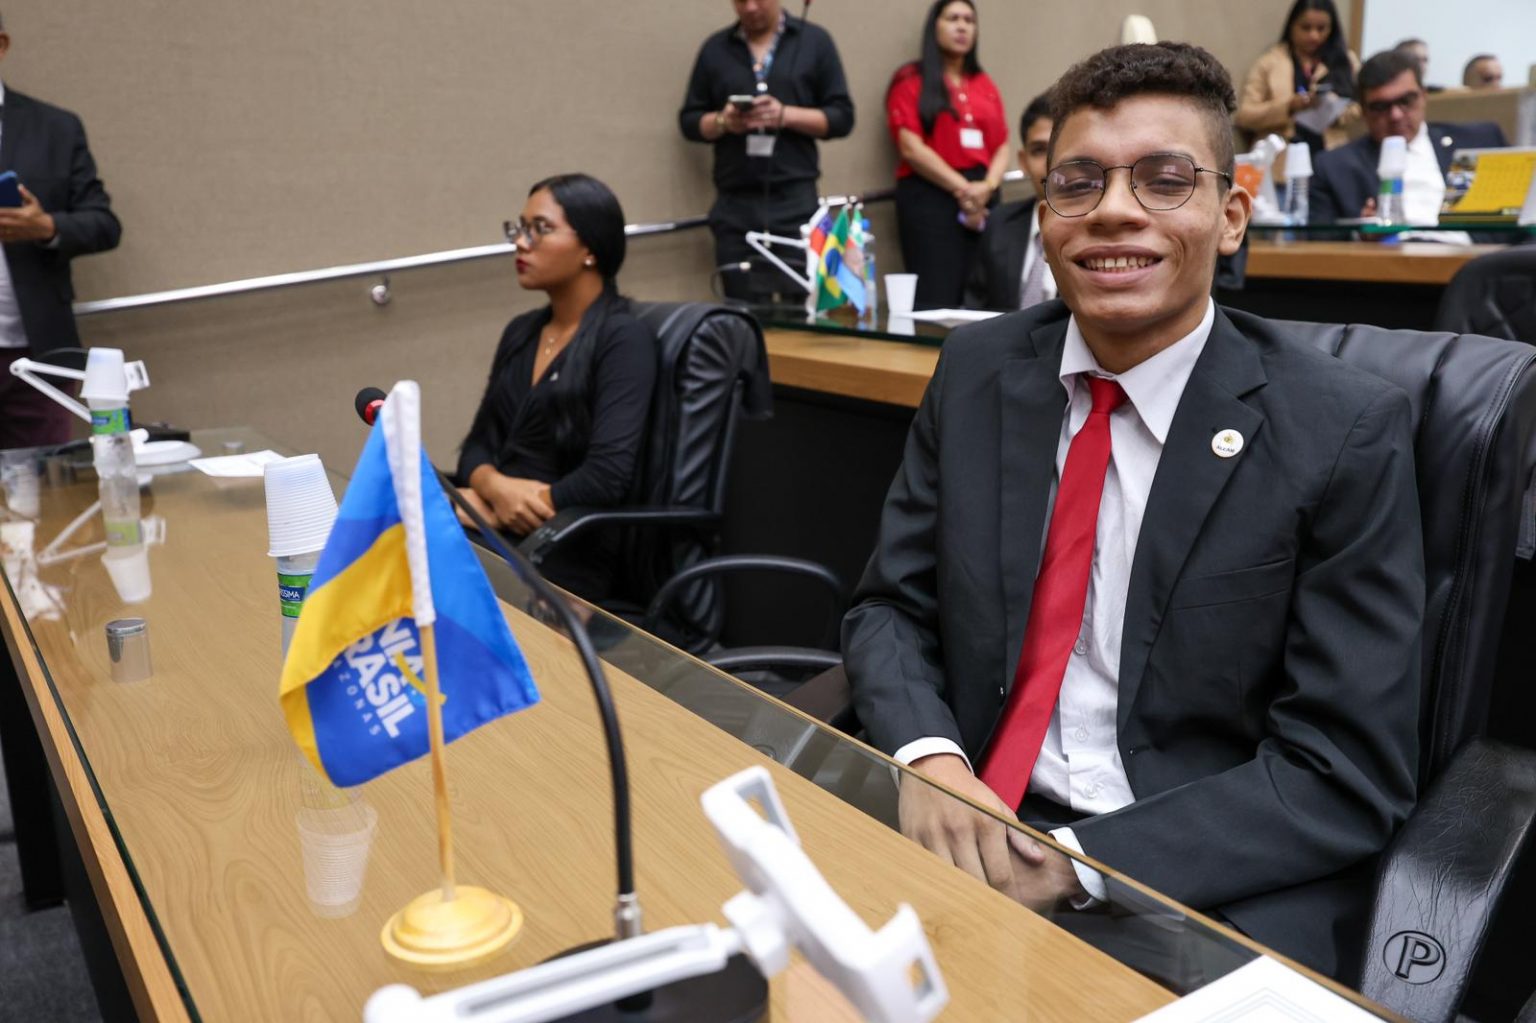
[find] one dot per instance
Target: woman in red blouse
(947, 121)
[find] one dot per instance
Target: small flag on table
(836, 282)
(396, 563)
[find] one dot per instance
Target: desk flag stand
(352, 683)
(453, 925)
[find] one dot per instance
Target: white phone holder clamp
(889, 975)
(107, 379)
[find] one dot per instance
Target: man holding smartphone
(59, 210)
(762, 92)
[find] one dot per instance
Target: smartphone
(10, 189)
(740, 102)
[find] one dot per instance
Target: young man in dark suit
(64, 213)
(1207, 674)
(1009, 272)
(1391, 91)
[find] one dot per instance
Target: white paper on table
(248, 464)
(1325, 109)
(1262, 991)
(951, 317)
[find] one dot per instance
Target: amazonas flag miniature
(352, 688)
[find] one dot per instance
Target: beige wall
(244, 139)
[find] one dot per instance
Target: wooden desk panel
(204, 785)
(1375, 262)
(884, 371)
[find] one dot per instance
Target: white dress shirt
(12, 334)
(1423, 182)
(1079, 764)
(1048, 282)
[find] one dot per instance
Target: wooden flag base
(444, 935)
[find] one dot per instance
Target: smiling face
(556, 256)
(1135, 279)
(956, 29)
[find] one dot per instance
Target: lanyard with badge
(970, 135)
(760, 143)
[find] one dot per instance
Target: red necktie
(1056, 614)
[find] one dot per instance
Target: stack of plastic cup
(300, 512)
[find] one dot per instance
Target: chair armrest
(768, 658)
(1442, 878)
(570, 522)
(727, 563)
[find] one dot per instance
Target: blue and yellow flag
(352, 688)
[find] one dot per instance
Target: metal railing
(381, 267)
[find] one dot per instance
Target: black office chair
(1493, 295)
(712, 370)
(1443, 880)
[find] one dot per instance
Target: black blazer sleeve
(891, 637)
(88, 224)
(1323, 195)
(978, 284)
(832, 88)
(1336, 775)
(623, 379)
(698, 100)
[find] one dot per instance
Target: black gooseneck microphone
(739, 991)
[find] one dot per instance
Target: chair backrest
(712, 367)
(1474, 400)
(1493, 295)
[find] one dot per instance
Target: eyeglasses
(1159, 181)
(1405, 102)
(521, 230)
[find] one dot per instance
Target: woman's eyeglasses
(522, 230)
(1159, 181)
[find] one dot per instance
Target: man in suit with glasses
(1150, 574)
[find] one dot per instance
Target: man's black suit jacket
(1269, 674)
(997, 271)
(46, 147)
(1344, 178)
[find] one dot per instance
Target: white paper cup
(128, 568)
(900, 290)
(21, 482)
(300, 506)
(335, 845)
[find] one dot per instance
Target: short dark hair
(1466, 71)
(1038, 107)
(1384, 67)
(1110, 76)
(1403, 44)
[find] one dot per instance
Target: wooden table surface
(1367, 262)
(201, 781)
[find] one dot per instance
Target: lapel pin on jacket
(1227, 443)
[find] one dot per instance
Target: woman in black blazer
(564, 413)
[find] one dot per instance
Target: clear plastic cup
(900, 291)
(335, 843)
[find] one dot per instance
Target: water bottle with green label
(117, 473)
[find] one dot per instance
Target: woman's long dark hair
(594, 213)
(933, 99)
(1335, 49)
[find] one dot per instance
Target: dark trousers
(934, 244)
(29, 418)
(734, 214)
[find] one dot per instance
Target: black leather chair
(1493, 295)
(712, 370)
(1442, 879)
